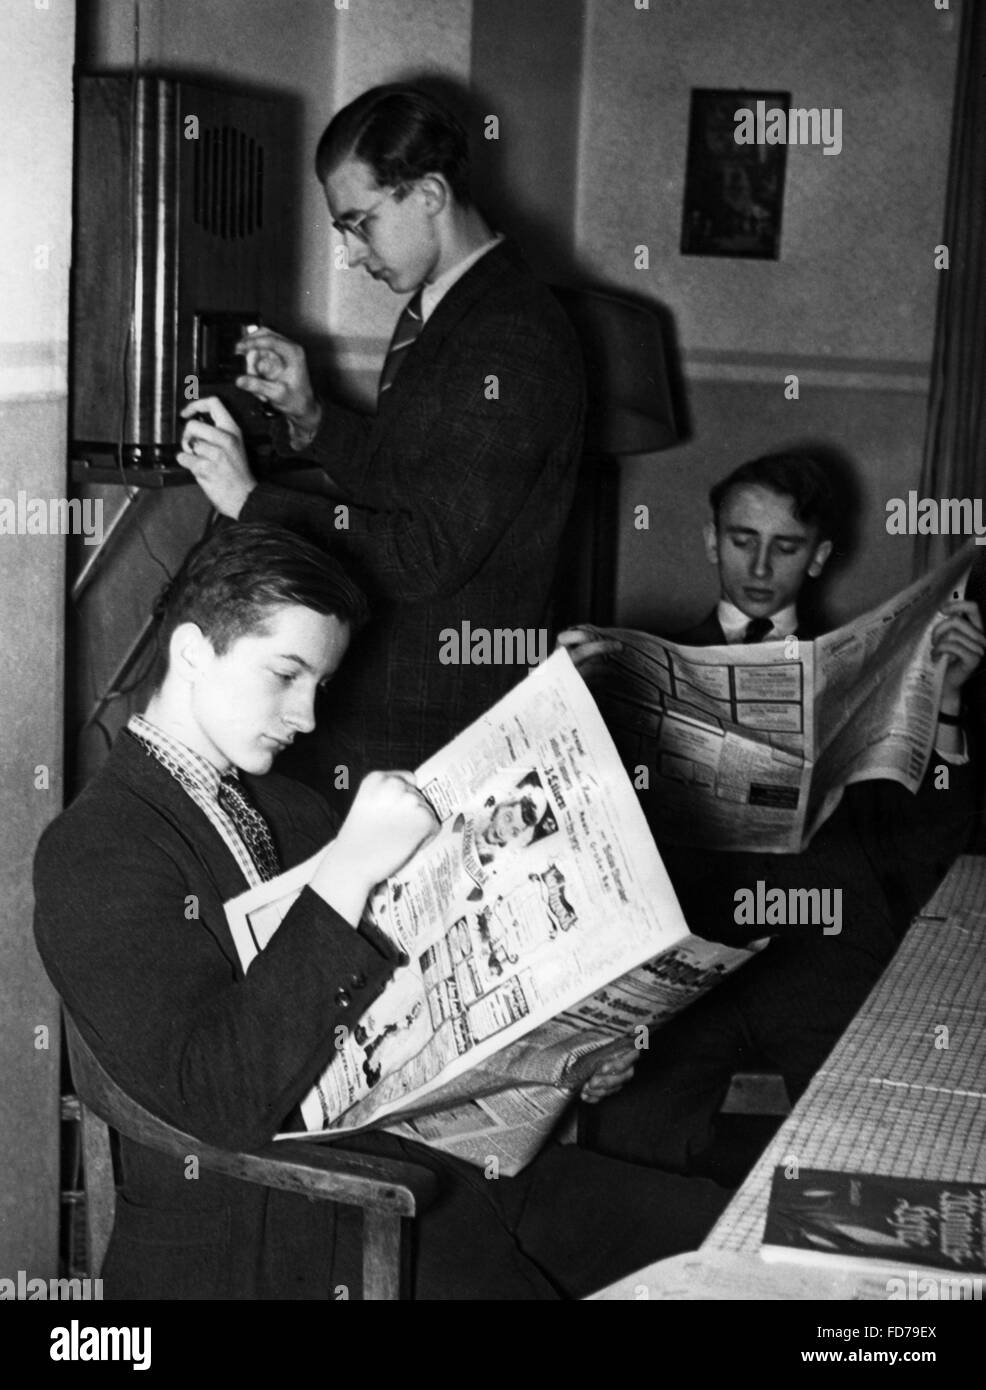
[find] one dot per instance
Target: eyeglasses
(354, 227)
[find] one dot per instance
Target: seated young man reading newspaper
(131, 883)
(879, 855)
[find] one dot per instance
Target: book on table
(930, 1225)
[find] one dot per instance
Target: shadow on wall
(846, 485)
(545, 241)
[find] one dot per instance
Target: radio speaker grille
(228, 183)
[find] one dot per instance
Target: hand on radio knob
(212, 450)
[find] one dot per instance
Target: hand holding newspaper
(751, 747)
(541, 930)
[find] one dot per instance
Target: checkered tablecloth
(904, 1091)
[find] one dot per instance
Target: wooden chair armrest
(388, 1191)
(337, 1175)
(319, 1170)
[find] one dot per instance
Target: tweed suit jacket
(458, 491)
(130, 883)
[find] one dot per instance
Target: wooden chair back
(390, 1193)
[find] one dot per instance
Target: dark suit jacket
(457, 503)
(130, 883)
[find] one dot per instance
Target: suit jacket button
(358, 981)
(343, 999)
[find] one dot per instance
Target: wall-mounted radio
(180, 244)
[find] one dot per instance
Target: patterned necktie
(409, 325)
(250, 824)
(757, 629)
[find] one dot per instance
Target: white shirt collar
(734, 622)
(438, 289)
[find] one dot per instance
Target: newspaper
(750, 747)
(541, 930)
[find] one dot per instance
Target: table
(902, 1093)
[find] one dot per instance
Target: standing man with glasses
(458, 489)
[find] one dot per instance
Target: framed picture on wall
(733, 192)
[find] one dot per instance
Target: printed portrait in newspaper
(511, 818)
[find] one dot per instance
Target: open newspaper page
(877, 691)
(719, 741)
(751, 747)
(511, 1123)
(542, 886)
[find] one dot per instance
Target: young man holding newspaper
(131, 883)
(881, 851)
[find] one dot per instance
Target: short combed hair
(229, 582)
(402, 134)
(798, 476)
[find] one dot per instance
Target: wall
(850, 304)
(35, 173)
(526, 69)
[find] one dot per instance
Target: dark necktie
(409, 325)
(757, 629)
(252, 827)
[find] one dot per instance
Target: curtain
(954, 463)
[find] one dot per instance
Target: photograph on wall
(733, 192)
